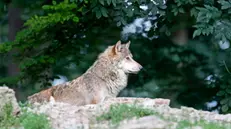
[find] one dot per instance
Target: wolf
(104, 79)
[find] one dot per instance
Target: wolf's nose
(140, 67)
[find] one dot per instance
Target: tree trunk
(15, 23)
(180, 37)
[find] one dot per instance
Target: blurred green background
(184, 46)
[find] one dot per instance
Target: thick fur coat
(104, 79)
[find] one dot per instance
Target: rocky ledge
(66, 116)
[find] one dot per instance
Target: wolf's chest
(117, 83)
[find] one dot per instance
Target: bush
(25, 119)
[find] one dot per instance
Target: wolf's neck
(114, 79)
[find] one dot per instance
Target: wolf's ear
(118, 47)
(128, 44)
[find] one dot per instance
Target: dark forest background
(184, 46)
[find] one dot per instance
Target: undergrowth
(121, 112)
(203, 124)
(25, 119)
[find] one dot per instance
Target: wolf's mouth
(133, 72)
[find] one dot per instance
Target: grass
(201, 123)
(121, 112)
(25, 119)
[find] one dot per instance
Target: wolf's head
(123, 59)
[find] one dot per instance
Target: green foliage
(34, 121)
(225, 92)
(210, 23)
(36, 34)
(58, 34)
(9, 80)
(120, 112)
(71, 33)
(25, 119)
(63, 13)
(214, 20)
(7, 119)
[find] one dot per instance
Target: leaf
(176, 58)
(51, 60)
(193, 12)
(175, 11)
(162, 6)
(98, 14)
(224, 101)
(196, 33)
(114, 3)
(224, 4)
(93, 3)
(76, 19)
(45, 7)
(221, 93)
(154, 10)
(118, 23)
(104, 11)
(168, 33)
(201, 17)
(109, 2)
(192, 2)
(101, 2)
(42, 60)
(181, 10)
(129, 13)
(123, 21)
(179, 3)
(224, 108)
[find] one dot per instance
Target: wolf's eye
(127, 58)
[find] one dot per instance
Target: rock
(7, 96)
(147, 122)
(66, 116)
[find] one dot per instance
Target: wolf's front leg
(98, 99)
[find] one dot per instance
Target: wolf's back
(43, 96)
